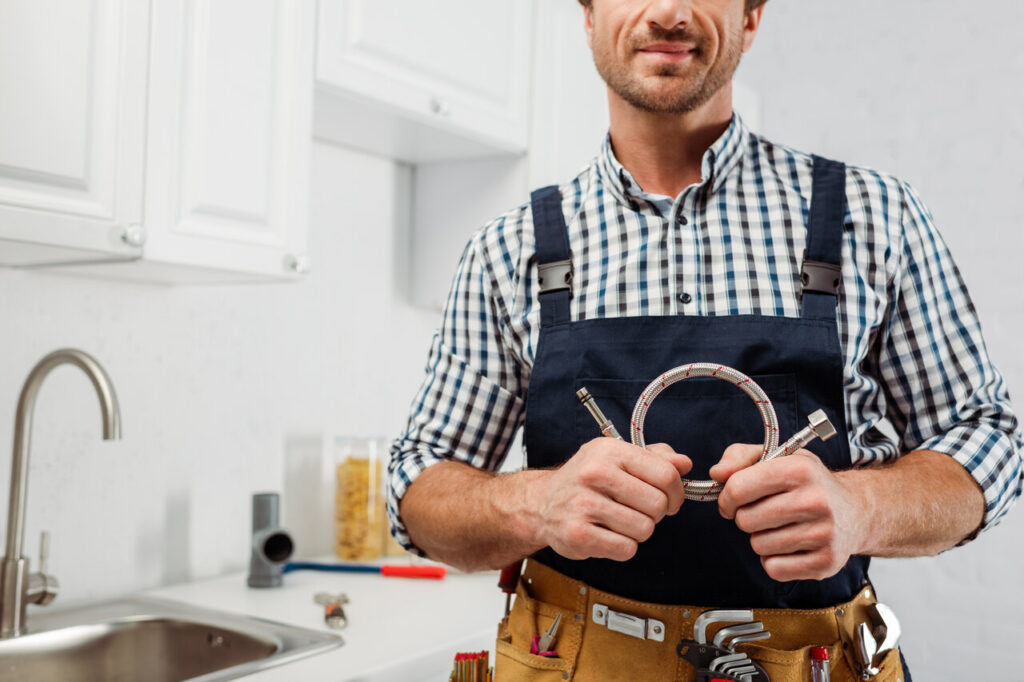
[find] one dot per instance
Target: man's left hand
(804, 522)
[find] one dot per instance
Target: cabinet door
(570, 121)
(230, 126)
(459, 66)
(72, 117)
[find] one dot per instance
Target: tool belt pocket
(794, 665)
(512, 664)
(527, 620)
(891, 669)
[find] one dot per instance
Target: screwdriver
(389, 570)
(819, 664)
(508, 580)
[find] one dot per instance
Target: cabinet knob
(297, 263)
(133, 235)
(440, 106)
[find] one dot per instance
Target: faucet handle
(42, 588)
(44, 550)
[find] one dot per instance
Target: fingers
(586, 541)
(631, 491)
(800, 505)
(792, 539)
(595, 525)
(682, 463)
(627, 475)
(817, 565)
(625, 521)
(736, 457)
(609, 497)
(749, 485)
(802, 520)
(660, 467)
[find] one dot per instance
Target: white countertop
(399, 629)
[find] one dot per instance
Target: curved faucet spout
(17, 586)
(23, 431)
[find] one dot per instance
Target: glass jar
(360, 517)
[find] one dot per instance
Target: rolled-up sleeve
(471, 401)
(946, 395)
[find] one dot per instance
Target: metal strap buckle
(555, 276)
(634, 626)
(820, 277)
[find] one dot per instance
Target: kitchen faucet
(17, 586)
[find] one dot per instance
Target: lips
(669, 48)
(667, 52)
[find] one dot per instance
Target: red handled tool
(508, 580)
(399, 571)
(819, 664)
(390, 570)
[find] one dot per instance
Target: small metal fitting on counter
(334, 609)
(271, 546)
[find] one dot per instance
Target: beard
(670, 88)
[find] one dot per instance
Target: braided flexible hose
(819, 427)
(709, 489)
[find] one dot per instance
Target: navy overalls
(695, 556)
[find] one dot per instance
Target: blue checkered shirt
(916, 374)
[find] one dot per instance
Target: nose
(670, 14)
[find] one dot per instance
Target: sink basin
(154, 640)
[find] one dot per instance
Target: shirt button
(685, 298)
(681, 219)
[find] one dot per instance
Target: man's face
(668, 56)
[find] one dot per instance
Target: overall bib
(696, 556)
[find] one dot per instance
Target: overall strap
(554, 265)
(820, 273)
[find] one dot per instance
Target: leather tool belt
(604, 637)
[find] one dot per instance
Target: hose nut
(821, 426)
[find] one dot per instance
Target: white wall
(930, 91)
(211, 381)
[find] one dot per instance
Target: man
(691, 239)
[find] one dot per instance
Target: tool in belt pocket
(718, 660)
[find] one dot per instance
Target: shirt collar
(718, 161)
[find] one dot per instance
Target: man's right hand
(607, 498)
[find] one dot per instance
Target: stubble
(669, 88)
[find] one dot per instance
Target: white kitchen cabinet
(570, 103)
(72, 125)
(187, 125)
(569, 118)
(425, 81)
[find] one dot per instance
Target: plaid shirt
(916, 374)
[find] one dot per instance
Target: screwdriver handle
(397, 571)
(509, 577)
(508, 580)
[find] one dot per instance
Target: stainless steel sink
(153, 640)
